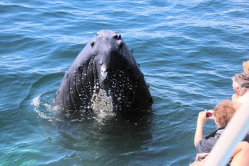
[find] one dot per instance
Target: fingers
(202, 112)
(200, 155)
(202, 117)
(212, 111)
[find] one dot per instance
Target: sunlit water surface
(187, 50)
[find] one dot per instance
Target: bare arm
(240, 154)
(200, 122)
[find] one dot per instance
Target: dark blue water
(187, 50)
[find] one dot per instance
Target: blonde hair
(246, 67)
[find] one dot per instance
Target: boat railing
(233, 134)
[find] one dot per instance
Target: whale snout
(107, 41)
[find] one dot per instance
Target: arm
(200, 122)
(240, 154)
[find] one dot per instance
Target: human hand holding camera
(202, 118)
(210, 114)
(204, 115)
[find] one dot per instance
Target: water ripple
(187, 50)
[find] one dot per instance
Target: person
(241, 89)
(221, 114)
(239, 156)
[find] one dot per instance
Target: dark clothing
(206, 144)
(246, 137)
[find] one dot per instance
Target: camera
(208, 114)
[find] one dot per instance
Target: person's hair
(223, 112)
(246, 67)
(242, 81)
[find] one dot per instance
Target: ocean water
(187, 50)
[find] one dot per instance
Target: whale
(104, 80)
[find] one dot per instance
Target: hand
(212, 112)
(200, 155)
(202, 117)
(200, 122)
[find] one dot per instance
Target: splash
(102, 104)
(43, 109)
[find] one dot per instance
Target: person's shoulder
(247, 95)
(244, 98)
(235, 97)
(218, 133)
(205, 145)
